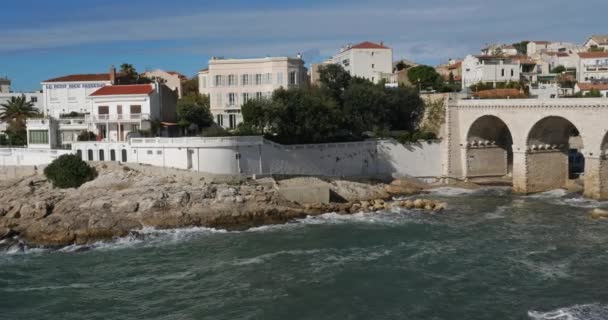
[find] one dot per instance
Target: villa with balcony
(592, 67)
(114, 113)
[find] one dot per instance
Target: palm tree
(16, 110)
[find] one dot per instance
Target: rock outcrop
(123, 199)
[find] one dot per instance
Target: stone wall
(546, 170)
(486, 162)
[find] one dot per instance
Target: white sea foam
(577, 312)
(557, 193)
(454, 192)
(47, 288)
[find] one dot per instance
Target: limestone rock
(598, 213)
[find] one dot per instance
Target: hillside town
(114, 106)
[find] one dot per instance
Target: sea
(490, 255)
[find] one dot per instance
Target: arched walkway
(553, 148)
(488, 148)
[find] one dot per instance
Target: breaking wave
(577, 312)
(454, 192)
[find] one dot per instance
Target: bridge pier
(596, 178)
(538, 171)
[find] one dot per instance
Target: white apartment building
(171, 79)
(592, 67)
(494, 49)
(597, 41)
(70, 93)
(490, 69)
(367, 60)
(114, 112)
(230, 83)
(5, 85)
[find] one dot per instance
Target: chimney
(112, 75)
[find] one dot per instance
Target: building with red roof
(592, 67)
(369, 60)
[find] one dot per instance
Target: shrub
(69, 171)
(87, 136)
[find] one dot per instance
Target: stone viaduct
(528, 139)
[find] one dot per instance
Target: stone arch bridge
(533, 140)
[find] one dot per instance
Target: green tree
(194, 110)
(69, 171)
(423, 76)
(559, 69)
(129, 75)
(404, 108)
(14, 112)
(17, 110)
(334, 79)
(190, 87)
(85, 135)
(595, 49)
(593, 93)
(521, 47)
(364, 108)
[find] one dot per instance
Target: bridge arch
(554, 154)
(489, 147)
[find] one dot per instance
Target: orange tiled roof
(591, 55)
(499, 93)
(589, 86)
(368, 45)
(124, 90)
(81, 78)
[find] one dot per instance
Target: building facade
(70, 94)
(5, 85)
(597, 42)
(113, 113)
(592, 67)
(366, 60)
(230, 83)
(171, 79)
(489, 69)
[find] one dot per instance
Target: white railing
(72, 122)
(198, 141)
(117, 117)
(37, 122)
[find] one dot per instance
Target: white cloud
(433, 29)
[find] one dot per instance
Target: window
(231, 80)
(245, 80)
(502, 72)
(231, 99)
(101, 155)
(124, 155)
(79, 153)
(90, 154)
(102, 130)
(33, 99)
(39, 137)
(103, 110)
(119, 109)
(258, 79)
(134, 127)
(372, 55)
(512, 72)
(218, 81)
(112, 155)
(149, 152)
(280, 78)
(373, 65)
(292, 78)
(245, 97)
(135, 109)
(232, 121)
(159, 152)
(268, 78)
(258, 95)
(220, 120)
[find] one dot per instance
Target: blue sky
(45, 39)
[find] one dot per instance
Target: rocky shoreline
(123, 199)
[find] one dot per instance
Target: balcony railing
(75, 122)
(134, 117)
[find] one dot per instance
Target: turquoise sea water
(491, 255)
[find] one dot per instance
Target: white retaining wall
(29, 157)
(254, 155)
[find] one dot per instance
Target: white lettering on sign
(75, 85)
